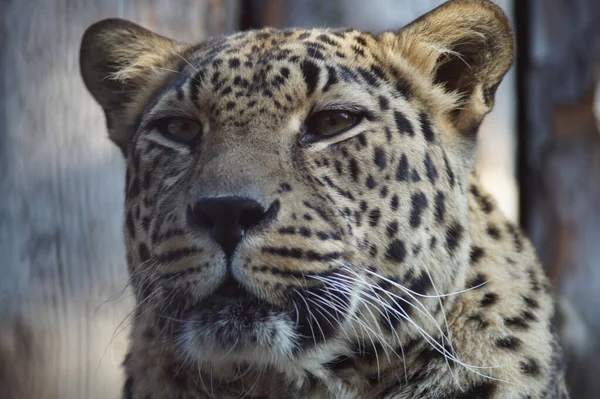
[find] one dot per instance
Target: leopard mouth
(232, 320)
(233, 323)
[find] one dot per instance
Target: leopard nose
(228, 219)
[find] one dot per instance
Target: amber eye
(330, 123)
(179, 129)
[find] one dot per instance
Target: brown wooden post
(63, 278)
(559, 165)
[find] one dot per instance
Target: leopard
(303, 217)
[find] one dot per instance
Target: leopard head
(290, 193)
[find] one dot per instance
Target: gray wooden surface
(62, 297)
(562, 169)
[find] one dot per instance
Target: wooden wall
(63, 302)
(560, 166)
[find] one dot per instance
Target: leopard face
(290, 193)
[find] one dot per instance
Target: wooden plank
(62, 192)
(560, 168)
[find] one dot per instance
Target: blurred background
(64, 304)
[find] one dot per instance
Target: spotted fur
(384, 270)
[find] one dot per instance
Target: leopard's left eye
(330, 123)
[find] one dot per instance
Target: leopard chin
(233, 325)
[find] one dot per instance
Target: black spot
(287, 230)
(517, 239)
(384, 103)
(415, 176)
(392, 229)
(362, 140)
(483, 390)
(392, 314)
(516, 322)
(370, 78)
(484, 202)
(331, 78)
(310, 72)
(130, 224)
(363, 206)
(143, 252)
(285, 187)
(426, 127)
(402, 170)
(433, 242)
(196, 82)
(373, 251)
(383, 192)
(419, 204)
(354, 170)
(360, 40)
(440, 207)
(421, 284)
(489, 299)
(478, 281)
(134, 189)
(358, 51)
(394, 202)
(449, 171)
(374, 217)
(454, 235)
(371, 182)
(494, 232)
(327, 40)
(432, 173)
(396, 251)
(379, 158)
(530, 302)
(476, 254)
(230, 105)
(314, 53)
(304, 232)
(234, 63)
(388, 134)
(378, 72)
(509, 342)
(530, 367)
(402, 124)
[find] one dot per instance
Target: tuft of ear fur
(466, 46)
(117, 60)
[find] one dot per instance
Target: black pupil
(331, 120)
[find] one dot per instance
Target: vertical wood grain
(560, 168)
(62, 263)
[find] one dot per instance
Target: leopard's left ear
(467, 47)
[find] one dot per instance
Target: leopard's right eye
(180, 129)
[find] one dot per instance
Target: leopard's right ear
(118, 59)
